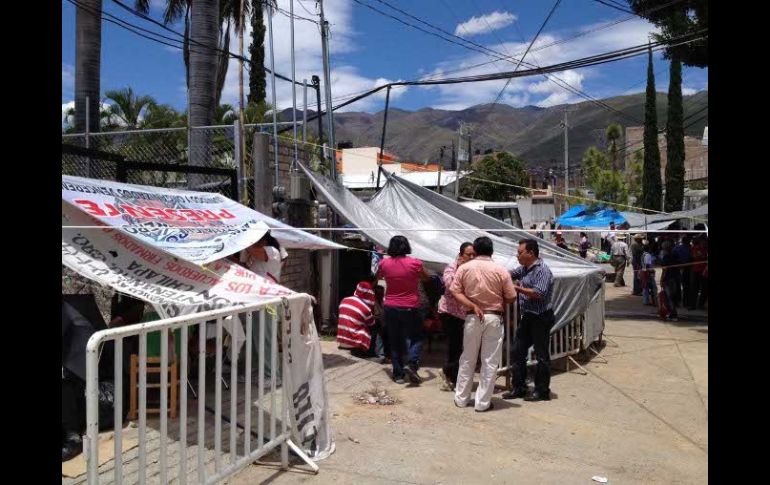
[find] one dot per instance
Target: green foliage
(607, 183)
(634, 175)
(499, 167)
(652, 187)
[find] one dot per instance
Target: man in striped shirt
(534, 294)
(355, 318)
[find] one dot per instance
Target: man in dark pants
(636, 262)
(534, 293)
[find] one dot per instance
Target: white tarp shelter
(436, 226)
(107, 248)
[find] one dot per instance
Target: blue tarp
(582, 216)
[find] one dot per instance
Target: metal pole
(566, 158)
(272, 83)
(88, 135)
(328, 87)
(317, 85)
(239, 162)
(293, 85)
(456, 165)
(241, 117)
(382, 140)
(304, 111)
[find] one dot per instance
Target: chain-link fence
(202, 159)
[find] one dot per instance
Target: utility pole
(328, 87)
(564, 124)
(241, 118)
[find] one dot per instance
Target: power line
(143, 16)
(542, 26)
(615, 6)
(613, 56)
(479, 48)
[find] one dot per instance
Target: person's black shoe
(412, 375)
(538, 396)
(515, 394)
(72, 447)
(489, 408)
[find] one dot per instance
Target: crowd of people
(682, 259)
(391, 323)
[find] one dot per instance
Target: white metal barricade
(568, 340)
(240, 452)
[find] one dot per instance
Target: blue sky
(369, 50)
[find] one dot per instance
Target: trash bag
(106, 405)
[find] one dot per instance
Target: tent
(436, 226)
(149, 243)
(583, 216)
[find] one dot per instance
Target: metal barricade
(239, 453)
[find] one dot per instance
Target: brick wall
(299, 273)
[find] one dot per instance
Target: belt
(500, 314)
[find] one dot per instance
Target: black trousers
(534, 330)
(73, 404)
(698, 290)
(453, 328)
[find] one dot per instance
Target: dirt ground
(639, 416)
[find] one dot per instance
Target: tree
(602, 177)
(162, 116)
(652, 189)
(675, 141)
(614, 132)
(499, 167)
(127, 107)
(88, 51)
(634, 175)
(257, 82)
(202, 84)
(676, 19)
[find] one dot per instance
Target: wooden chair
(153, 367)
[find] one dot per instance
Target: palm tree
(613, 134)
(161, 116)
(88, 49)
(127, 107)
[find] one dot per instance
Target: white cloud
(535, 90)
(65, 107)
(68, 118)
(346, 79)
(688, 91)
(485, 23)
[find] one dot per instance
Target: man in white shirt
(620, 255)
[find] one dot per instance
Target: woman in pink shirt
(452, 314)
(402, 307)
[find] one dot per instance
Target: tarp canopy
(435, 236)
(147, 268)
(199, 227)
(583, 216)
(662, 221)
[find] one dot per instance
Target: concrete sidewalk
(639, 416)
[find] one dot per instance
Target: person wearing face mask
(452, 315)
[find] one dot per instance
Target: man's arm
(518, 273)
(460, 296)
(458, 291)
(539, 286)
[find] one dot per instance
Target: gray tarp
(395, 209)
(662, 221)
